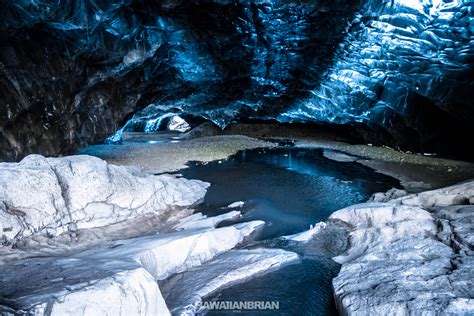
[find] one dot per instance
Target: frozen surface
(73, 73)
(49, 196)
(119, 279)
(165, 254)
(307, 234)
(409, 254)
(198, 220)
(73, 286)
(185, 290)
(236, 204)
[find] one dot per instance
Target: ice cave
(223, 157)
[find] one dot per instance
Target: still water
(290, 189)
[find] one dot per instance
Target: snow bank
(237, 204)
(183, 292)
(119, 279)
(198, 220)
(165, 254)
(412, 254)
(73, 286)
(52, 195)
(307, 234)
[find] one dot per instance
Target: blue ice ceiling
(76, 71)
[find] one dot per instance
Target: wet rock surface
(411, 254)
(73, 74)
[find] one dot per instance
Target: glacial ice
(411, 254)
(73, 286)
(176, 123)
(164, 254)
(49, 196)
(184, 291)
(397, 69)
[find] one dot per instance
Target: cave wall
(399, 71)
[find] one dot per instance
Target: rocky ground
(168, 152)
(158, 153)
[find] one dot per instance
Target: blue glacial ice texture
(394, 49)
(71, 72)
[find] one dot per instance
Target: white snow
(49, 196)
(236, 204)
(119, 279)
(72, 286)
(42, 198)
(411, 254)
(307, 234)
(453, 195)
(198, 220)
(184, 291)
(165, 254)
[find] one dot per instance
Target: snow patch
(184, 291)
(48, 196)
(73, 286)
(165, 254)
(198, 220)
(308, 234)
(236, 204)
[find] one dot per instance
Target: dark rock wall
(73, 72)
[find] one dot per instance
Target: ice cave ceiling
(73, 71)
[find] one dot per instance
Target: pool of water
(290, 189)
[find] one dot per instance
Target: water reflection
(290, 189)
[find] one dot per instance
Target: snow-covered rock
(409, 255)
(307, 234)
(453, 195)
(73, 286)
(165, 254)
(237, 204)
(52, 195)
(198, 220)
(183, 292)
